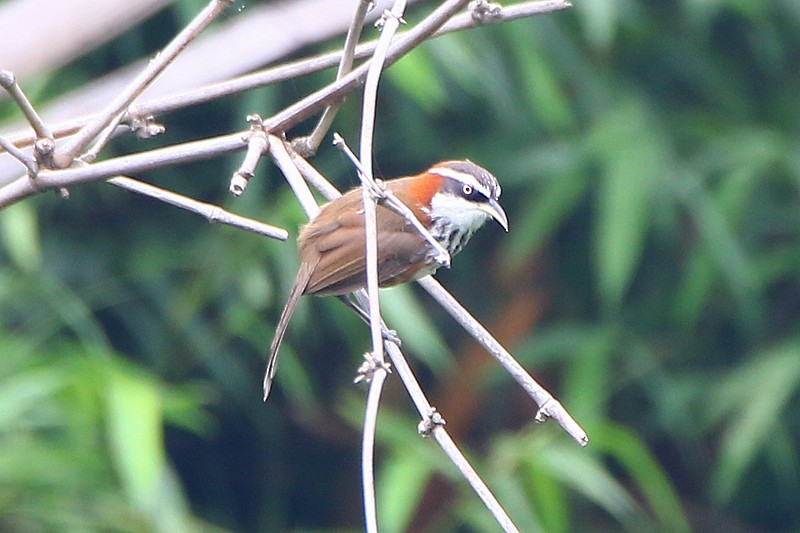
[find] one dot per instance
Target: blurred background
(649, 157)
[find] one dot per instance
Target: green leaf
(134, 422)
(756, 396)
(416, 76)
(632, 158)
(644, 470)
(404, 312)
(19, 232)
(401, 484)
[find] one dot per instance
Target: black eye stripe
(465, 190)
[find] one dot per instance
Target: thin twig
(211, 212)
(257, 144)
(9, 82)
(334, 92)
(27, 160)
(124, 165)
(287, 71)
(308, 145)
(376, 381)
(548, 406)
(390, 200)
(281, 156)
(91, 154)
(207, 148)
(312, 176)
(75, 145)
(21, 187)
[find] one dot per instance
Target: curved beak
(492, 208)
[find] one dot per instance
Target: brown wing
(337, 235)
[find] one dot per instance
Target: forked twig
(65, 155)
(289, 70)
(308, 145)
(204, 149)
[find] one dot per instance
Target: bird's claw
(442, 259)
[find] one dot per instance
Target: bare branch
(290, 70)
(376, 381)
(417, 395)
(335, 91)
(67, 154)
(285, 162)
(9, 82)
(90, 155)
(434, 425)
(27, 160)
(312, 176)
(22, 187)
(124, 165)
(446, 442)
(308, 145)
(548, 406)
(211, 212)
(257, 144)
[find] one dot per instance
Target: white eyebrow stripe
(462, 177)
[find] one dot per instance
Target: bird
(452, 199)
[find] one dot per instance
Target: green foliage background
(649, 156)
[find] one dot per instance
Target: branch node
(388, 14)
(257, 144)
(390, 335)
(483, 11)
(433, 419)
(304, 146)
(145, 127)
(43, 150)
(366, 371)
(7, 79)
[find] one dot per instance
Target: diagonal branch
(211, 212)
(64, 156)
(21, 187)
(549, 407)
(308, 145)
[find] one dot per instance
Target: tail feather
(300, 284)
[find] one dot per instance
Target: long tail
(300, 284)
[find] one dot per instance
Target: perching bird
(451, 199)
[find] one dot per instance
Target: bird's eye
(467, 189)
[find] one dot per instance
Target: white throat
(454, 219)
